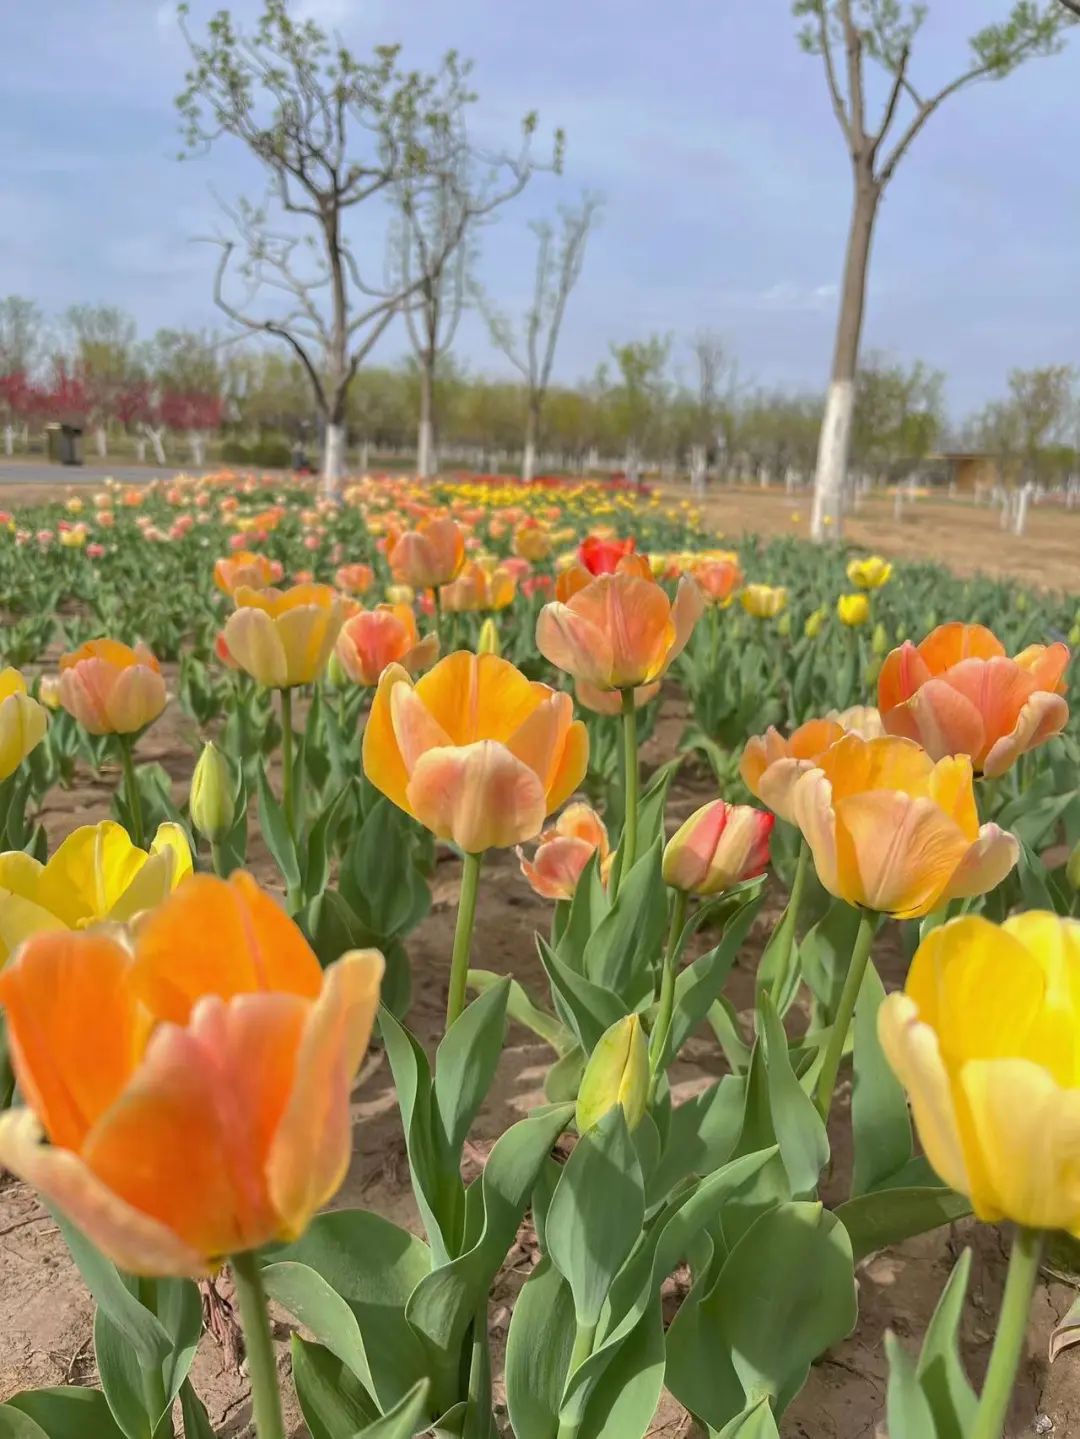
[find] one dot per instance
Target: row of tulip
(205, 1117)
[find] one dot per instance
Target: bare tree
(717, 384)
(884, 31)
(104, 343)
(430, 252)
(558, 268)
(332, 131)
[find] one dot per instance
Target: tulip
(600, 555)
(23, 722)
(212, 801)
(570, 579)
(610, 702)
(532, 541)
(958, 693)
(617, 1073)
(96, 875)
(284, 637)
(870, 574)
(719, 579)
(771, 766)
(49, 691)
(354, 579)
(764, 602)
(110, 688)
(853, 610)
(248, 569)
(893, 831)
(864, 720)
(386, 635)
(565, 850)
(478, 589)
(488, 641)
(815, 622)
(718, 847)
(429, 556)
(205, 1111)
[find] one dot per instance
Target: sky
(706, 130)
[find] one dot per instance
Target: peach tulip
(720, 845)
(719, 579)
(247, 568)
(111, 688)
(283, 637)
(477, 588)
(386, 635)
(429, 556)
(564, 851)
(620, 632)
(771, 765)
(959, 693)
(891, 830)
(355, 579)
(205, 1111)
(610, 702)
(475, 751)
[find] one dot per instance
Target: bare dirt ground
(45, 1314)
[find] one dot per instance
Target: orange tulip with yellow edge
(205, 1110)
(564, 851)
(386, 635)
(771, 765)
(247, 568)
(474, 751)
(479, 588)
(284, 637)
(893, 831)
(985, 1038)
(111, 688)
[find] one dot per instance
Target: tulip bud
(49, 691)
(488, 643)
(853, 609)
(720, 845)
(1020, 602)
(783, 626)
(1072, 869)
(212, 801)
(617, 1073)
(814, 623)
(879, 642)
(335, 672)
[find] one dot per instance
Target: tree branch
(898, 86)
(830, 71)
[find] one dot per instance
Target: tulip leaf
(275, 832)
(596, 1212)
(522, 1010)
(940, 1370)
(702, 1133)
(724, 1023)
(59, 1413)
(193, 1412)
(908, 1409)
(699, 984)
(383, 845)
(1032, 822)
(538, 1352)
(799, 1129)
(825, 951)
(622, 950)
(465, 1064)
(590, 1008)
(406, 1418)
(755, 1422)
(372, 1266)
(880, 1121)
(650, 819)
(320, 841)
(623, 1401)
(332, 1399)
(887, 1216)
(121, 1378)
(309, 1298)
(587, 909)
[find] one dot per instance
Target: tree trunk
(834, 443)
(425, 442)
(156, 440)
(365, 457)
(333, 456)
(101, 435)
(140, 449)
(198, 447)
(532, 430)
(9, 439)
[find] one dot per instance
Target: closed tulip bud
(617, 1073)
(879, 642)
(1072, 869)
(488, 643)
(49, 691)
(335, 672)
(783, 626)
(1074, 635)
(1021, 602)
(213, 797)
(853, 609)
(815, 622)
(717, 847)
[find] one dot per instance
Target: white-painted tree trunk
(833, 446)
(197, 443)
(425, 450)
(365, 456)
(1022, 502)
(697, 469)
(528, 462)
(157, 440)
(9, 439)
(140, 449)
(101, 437)
(333, 458)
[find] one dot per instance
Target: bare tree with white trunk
(846, 34)
(332, 131)
(558, 269)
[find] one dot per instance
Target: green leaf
(62, 1413)
(403, 1421)
(887, 1216)
(698, 986)
(382, 845)
(332, 1399)
(624, 1400)
(465, 1064)
(16, 1425)
(596, 1212)
(320, 840)
(309, 1298)
(590, 1008)
(799, 1129)
(193, 1412)
(940, 1370)
(755, 1422)
(880, 1121)
(538, 1352)
(122, 1379)
(701, 1134)
(909, 1412)
(825, 951)
(621, 951)
(522, 1010)
(275, 831)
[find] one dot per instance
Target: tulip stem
(131, 791)
(262, 1368)
(584, 1338)
(287, 759)
(631, 784)
(466, 917)
(158, 1409)
(844, 1010)
(1009, 1341)
(662, 1028)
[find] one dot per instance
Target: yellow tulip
(23, 722)
(284, 637)
(985, 1039)
(764, 602)
(853, 610)
(96, 874)
(869, 574)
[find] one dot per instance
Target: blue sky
(705, 128)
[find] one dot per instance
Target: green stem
(480, 1375)
(287, 759)
(778, 950)
(844, 1010)
(153, 1382)
(466, 917)
(662, 1028)
(584, 1339)
(262, 1368)
(1009, 1341)
(217, 859)
(631, 785)
(131, 791)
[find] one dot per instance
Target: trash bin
(64, 443)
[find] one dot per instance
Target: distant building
(972, 470)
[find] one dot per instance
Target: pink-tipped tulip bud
(718, 846)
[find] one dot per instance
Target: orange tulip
(619, 632)
(720, 579)
(245, 568)
(477, 588)
(959, 693)
(386, 635)
(475, 751)
(720, 845)
(565, 850)
(771, 765)
(355, 579)
(111, 688)
(205, 1111)
(283, 637)
(892, 831)
(429, 556)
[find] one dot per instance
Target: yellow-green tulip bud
(1072, 869)
(814, 623)
(488, 644)
(783, 625)
(213, 799)
(1021, 602)
(617, 1073)
(335, 673)
(879, 641)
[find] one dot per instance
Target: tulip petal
(952, 643)
(478, 696)
(812, 806)
(911, 1048)
(992, 856)
(895, 854)
(687, 608)
(90, 871)
(940, 718)
(415, 728)
(1041, 718)
(308, 634)
(539, 740)
(136, 699)
(233, 939)
(902, 673)
(23, 723)
(557, 866)
(383, 763)
(571, 768)
(310, 1152)
(252, 639)
(635, 617)
(478, 795)
(575, 644)
(135, 1242)
(776, 785)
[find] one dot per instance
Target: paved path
(30, 472)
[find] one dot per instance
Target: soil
(46, 1314)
